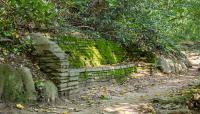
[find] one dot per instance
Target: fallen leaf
(20, 106)
(65, 112)
(157, 94)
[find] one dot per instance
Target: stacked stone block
(53, 61)
(99, 74)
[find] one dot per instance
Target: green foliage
(176, 19)
(17, 48)
(19, 17)
(103, 97)
(25, 14)
(88, 52)
(150, 25)
(140, 55)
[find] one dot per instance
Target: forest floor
(133, 97)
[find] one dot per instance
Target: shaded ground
(133, 97)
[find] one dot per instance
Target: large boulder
(16, 84)
(11, 86)
(51, 91)
(48, 92)
(28, 83)
(164, 65)
(172, 65)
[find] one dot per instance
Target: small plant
(102, 97)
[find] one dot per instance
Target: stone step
(67, 88)
(64, 74)
(68, 84)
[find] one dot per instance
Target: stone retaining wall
(53, 61)
(87, 76)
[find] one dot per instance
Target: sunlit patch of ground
(127, 108)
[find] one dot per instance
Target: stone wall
(53, 61)
(85, 77)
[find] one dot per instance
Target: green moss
(120, 74)
(102, 97)
(110, 52)
(13, 90)
(84, 76)
(11, 84)
(91, 53)
(47, 91)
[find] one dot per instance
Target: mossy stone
(91, 53)
(11, 85)
(28, 83)
(48, 91)
(16, 84)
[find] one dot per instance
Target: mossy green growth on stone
(48, 91)
(111, 52)
(122, 74)
(90, 53)
(11, 85)
(16, 85)
(28, 83)
(119, 74)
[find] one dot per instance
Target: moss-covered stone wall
(119, 73)
(86, 53)
(84, 77)
(91, 53)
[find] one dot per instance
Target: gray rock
(28, 83)
(51, 92)
(184, 67)
(48, 92)
(164, 65)
(186, 62)
(11, 86)
(172, 65)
